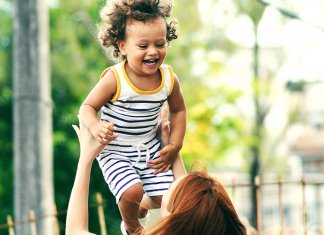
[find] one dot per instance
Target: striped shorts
(124, 164)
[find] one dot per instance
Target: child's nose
(152, 50)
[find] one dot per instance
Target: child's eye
(142, 46)
(160, 45)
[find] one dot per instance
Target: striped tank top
(134, 112)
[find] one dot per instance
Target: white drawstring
(138, 147)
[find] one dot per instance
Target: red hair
(199, 205)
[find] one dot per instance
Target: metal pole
(258, 205)
(304, 206)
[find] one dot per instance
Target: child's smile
(151, 62)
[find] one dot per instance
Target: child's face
(145, 45)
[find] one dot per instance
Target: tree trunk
(255, 149)
(33, 163)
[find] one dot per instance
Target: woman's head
(198, 204)
(118, 13)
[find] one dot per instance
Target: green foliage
(6, 148)
(214, 126)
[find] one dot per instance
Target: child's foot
(123, 229)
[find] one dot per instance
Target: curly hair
(114, 17)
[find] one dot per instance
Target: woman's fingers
(77, 130)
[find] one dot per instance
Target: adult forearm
(77, 214)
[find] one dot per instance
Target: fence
(232, 188)
(280, 184)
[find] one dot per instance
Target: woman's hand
(89, 146)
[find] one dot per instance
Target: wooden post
(233, 186)
(101, 214)
(32, 222)
(280, 201)
(55, 221)
(304, 207)
(319, 205)
(258, 205)
(10, 223)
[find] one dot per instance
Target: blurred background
(253, 78)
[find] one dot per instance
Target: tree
(33, 168)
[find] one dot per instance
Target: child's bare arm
(177, 125)
(177, 109)
(88, 113)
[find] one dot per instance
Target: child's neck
(145, 83)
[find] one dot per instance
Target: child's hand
(104, 132)
(166, 157)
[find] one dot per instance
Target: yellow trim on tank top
(116, 96)
(139, 91)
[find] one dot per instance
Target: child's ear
(121, 47)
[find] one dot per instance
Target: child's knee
(133, 194)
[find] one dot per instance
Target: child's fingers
(155, 162)
(109, 136)
(164, 168)
(106, 139)
(158, 171)
(103, 135)
(109, 126)
(156, 166)
(106, 132)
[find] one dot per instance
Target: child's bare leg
(178, 167)
(129, 207)
(149, 203)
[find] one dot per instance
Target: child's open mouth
(151, 61)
